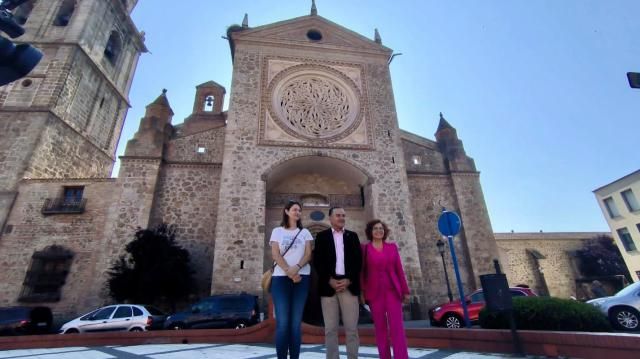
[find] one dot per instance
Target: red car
(450, 315)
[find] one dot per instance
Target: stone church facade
(311, 117)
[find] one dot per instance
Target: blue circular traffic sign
(449, 223)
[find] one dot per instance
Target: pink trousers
(386, 311)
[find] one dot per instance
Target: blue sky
(536, 89)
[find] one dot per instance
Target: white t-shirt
(283, 237)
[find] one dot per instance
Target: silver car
(623, 309)
(122, 317)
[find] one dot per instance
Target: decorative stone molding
(313, 104)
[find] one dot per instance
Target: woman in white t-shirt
(290, 280)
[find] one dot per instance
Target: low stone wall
(551, 344)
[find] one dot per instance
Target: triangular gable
(295, 31)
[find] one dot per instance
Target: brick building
(311, 117)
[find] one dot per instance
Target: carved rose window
(316, 104)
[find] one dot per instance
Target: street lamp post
(440, 245)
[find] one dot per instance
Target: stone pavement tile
(465, 355)
(162, 348)
(55, 354)
(235, 351)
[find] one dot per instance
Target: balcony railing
(315, 200)
(62, 205)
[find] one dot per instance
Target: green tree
(601, 257)
(154, 269)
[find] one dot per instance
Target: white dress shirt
(338, 240)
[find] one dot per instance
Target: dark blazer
(324, 261)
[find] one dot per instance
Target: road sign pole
(463, 301)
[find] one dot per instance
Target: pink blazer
(370, 285)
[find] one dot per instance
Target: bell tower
(64, 119)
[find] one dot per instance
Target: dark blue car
(219, 311)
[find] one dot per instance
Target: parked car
(119, 317)
(25, 320)
(623, 308)
(219, 311)
(451, 315)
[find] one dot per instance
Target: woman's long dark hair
(285, 216)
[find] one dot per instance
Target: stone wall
(28, 231)
(428, 192)
(556, 272)
(185, 149)
(187, 196)
(64, 153)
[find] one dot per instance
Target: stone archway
(318, 182)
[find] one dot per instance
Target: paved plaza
(223, 351)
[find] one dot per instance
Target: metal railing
(63, 205)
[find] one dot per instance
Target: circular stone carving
(315, 102)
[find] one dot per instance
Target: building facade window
(46, 275)
(630, 200)
(209, 103)
(113, 47)
(416, 160)
(610, 204)
(64, 13)
(626, 239)
(73, 195)
(22, 12)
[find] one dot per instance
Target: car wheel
(177, 326)
(136, 329)
(241, 324)
(624, 318)
(452, 321)
(71, 331)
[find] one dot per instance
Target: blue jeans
(288, 301)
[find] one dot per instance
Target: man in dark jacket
(337, 258)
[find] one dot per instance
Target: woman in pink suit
(384, 287)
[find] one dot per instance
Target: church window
(416, 160)
(65, 12)
(22, 12)
(201, 149)
(209, 102)
(46, 275)
(113, 47)
(314, 35)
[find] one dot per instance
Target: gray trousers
(346, 304)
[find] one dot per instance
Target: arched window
(113, 48)
(22, 12)
(209, 103)
(64, 13)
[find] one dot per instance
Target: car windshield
(629, 289)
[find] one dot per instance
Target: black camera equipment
(16, 61)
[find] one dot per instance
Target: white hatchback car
(119, 317)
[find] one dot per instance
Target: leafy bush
(546, 313)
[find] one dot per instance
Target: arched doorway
(318, 182)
